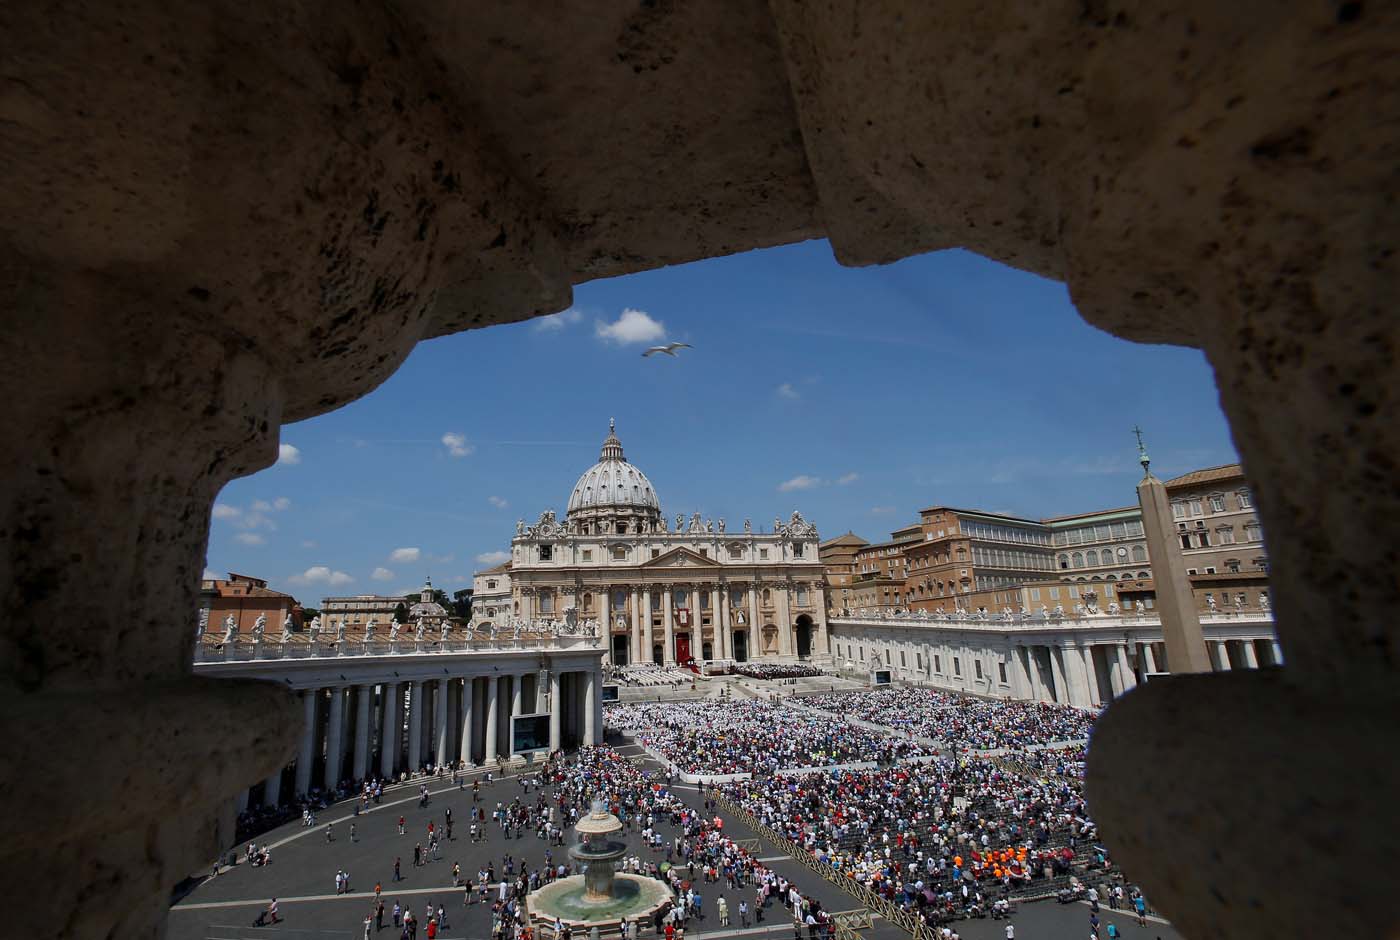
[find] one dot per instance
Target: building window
(802, 597)
(796, 549)
(1139, 553)
(656, 553)
(1091, 558)
(862, 654)
(546, 553)
(619, 553)
(1226, 534)
(1245, 499)
(767, 597)
(491, 585)
(1217, 502)
(957, 666)
(1178, 510)
(938, 664)
(1186, 540)
(735, 553)
(1078, 558)
(977, 665)
(902, 662)
(763, 554)
(887, 656)
(919, 661)
(1001, 672)
(679, 598)
(704, 553)
(704, 600)
(1196, 507)
(588, 602)
(587, 554)
(1204, 539)
(1253, 532)
(546, 602)
(1210, 570)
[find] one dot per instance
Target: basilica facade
(669, 594)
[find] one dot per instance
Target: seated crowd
(777, 670)
(961, 720)
(752, 736)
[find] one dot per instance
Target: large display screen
(610, 693)
(530, 732)
(882, 677)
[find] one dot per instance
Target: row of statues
(548, 526)
(516, 626)
(1008, 615)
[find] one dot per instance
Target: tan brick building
(838, 558)
(1218, 538)
(245, 599)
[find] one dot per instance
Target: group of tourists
(962, 721)
(756, 737)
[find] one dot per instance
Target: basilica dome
(613, 484)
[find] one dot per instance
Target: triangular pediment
(680, 557)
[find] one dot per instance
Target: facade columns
(415, 726)
(1149, 658)
(647, 637)
(1091, 677)
(440, 717)
(726, 630)
(1222, 656)
(1278, 652)
(310, 737)
(605, 598)
(716, 630)
(1021, 681)
(1126, 678)
(468, 692)
(556, 709)
(363, 695)
(634, 611)
(668, 653)
(1251, 658)
(590, 707)
(754, 641)
(390, 729)
(784, 620)
(334, 729)
(492, 719)
(1057, 672)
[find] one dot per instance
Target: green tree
(400, 612)
(462, 604)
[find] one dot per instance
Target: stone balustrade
(301, 648)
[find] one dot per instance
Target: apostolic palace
(669, 591)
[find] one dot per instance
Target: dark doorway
(741, 646)
(804, 637)
(707, 651)
(683, 647)
(656, 654)
(619, 649)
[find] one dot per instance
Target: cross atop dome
(612, 447)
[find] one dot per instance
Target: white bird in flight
(669, 349)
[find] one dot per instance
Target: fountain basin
(633, 897)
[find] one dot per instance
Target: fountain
(600, 897)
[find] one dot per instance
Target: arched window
(767, 596)
(1064, 561)
(1078, 560)
(587, 601)
(1111, 577)
(1144, 574)
(1139, 553)
(1091, 558)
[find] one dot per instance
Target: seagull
(669, 349)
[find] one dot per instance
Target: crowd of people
(962, 721)
(776, 670)
(754, 737)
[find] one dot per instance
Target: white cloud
(456, 444)
(308, 543)
(556, 322)
(441, 559)
(460, 579)
(493, 558)
(382, 574)
(881, 510)
(249, 538)
(497, 501)
(787, 391)
(800, 482)
(320, 574)
(847, 478)
(405, 555)
(632, 326)
(286, 453)
(210, 575)
(225, 511)
(261, 505)
(281, 503)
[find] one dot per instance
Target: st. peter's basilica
(695, 590)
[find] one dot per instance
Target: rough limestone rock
(218, 218)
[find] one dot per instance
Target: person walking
(722, 907)
(1140, 906)
(397, 875)
(378, 914)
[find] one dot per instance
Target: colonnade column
(415, 726)
(492, 721)
(1023, 687)
(1222, 656)
(607, 631)
(725, 632)
(517, 704)
(1149, 658)
(360, 767)
(556, 708)
(784, 620)
(634, 609)
(1251, 658)
(648, 638)
(1278, 652)
(668, 653)
(716, 630)
(1091, 676)
(272, 789)
(310, 737)
(390, 729)
(590, 707)
(1126, 679)
(468, 690)
(440, 716)
(334, 730)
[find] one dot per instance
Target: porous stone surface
(222, 217)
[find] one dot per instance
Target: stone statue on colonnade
(259, 628)
(369, 631)
(340, 630)
(230, 629)
(286, 629)
(418, 632)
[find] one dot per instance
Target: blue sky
(856, 395)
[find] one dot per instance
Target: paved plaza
(304, 866)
